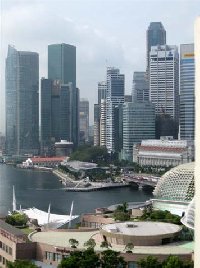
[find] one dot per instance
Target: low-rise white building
(163, 152)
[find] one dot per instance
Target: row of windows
(5, 248)
(50, 256)
(3, 260)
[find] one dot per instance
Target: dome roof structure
(188, 218)
(176, 184)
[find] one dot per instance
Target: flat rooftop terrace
(61, 239)
(142, 228)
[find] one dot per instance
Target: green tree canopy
(17, 219)
(90, 243)
(73, 242)
(81, 259)
(112, 259)
(21, 264)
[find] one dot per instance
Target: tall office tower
(164, 80)
(187, 100)
(102, 88)
(46, 115)
(114, 97)
(155, 35)
(140, 89)
(56, 117)
(138, 125)
(62, 66)
(103, 123)
(22, 102)
(84, 121)
(96, 125)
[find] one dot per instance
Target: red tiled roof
(47, 159)
(165, 149)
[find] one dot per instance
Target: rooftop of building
(11, 229)
(78, 165)
(61, 239)
(47, 159)
(142, 228)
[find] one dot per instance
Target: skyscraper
(138, 125)
(102, 88)
(22, 102)
(187, 100)
(156, 35)
(84, 120)
(96, 125)
(114, 97)
(62, 67)
(140, 89)
(46, 114)
(164, 80)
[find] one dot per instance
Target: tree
(129, 247)
(149, 262)
(90, 243)
(172, 262)
(17, 219)
(73, 243)
(21, 264)
(79, 259)
(112, 259)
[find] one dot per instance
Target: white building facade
(164, 80)
(164, 153)
(114, 97)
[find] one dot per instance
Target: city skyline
(99, 43)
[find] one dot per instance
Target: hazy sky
(105, 33)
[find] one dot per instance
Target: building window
(49, 256)
(57, 257)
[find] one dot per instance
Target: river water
(39, 188)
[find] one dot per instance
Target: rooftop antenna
(14, 200)
(70, 216)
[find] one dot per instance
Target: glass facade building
(84, 120)
(138, 125)
(187, 98)
(62, 67)
(156, 35)
(140, 89)
(22, 102)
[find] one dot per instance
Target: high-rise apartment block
(84, 121)
(62, 67)
(138, 125)
(140, 89)
(22, 102)
(164, 80)
(187, 97)
(156, 35)
(114, 97)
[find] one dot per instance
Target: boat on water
(45, 219)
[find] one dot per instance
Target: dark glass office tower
(156, 35)
(22, 102)
(62, 67)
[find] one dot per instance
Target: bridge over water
(142, 180)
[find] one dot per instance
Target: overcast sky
(105, 33)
